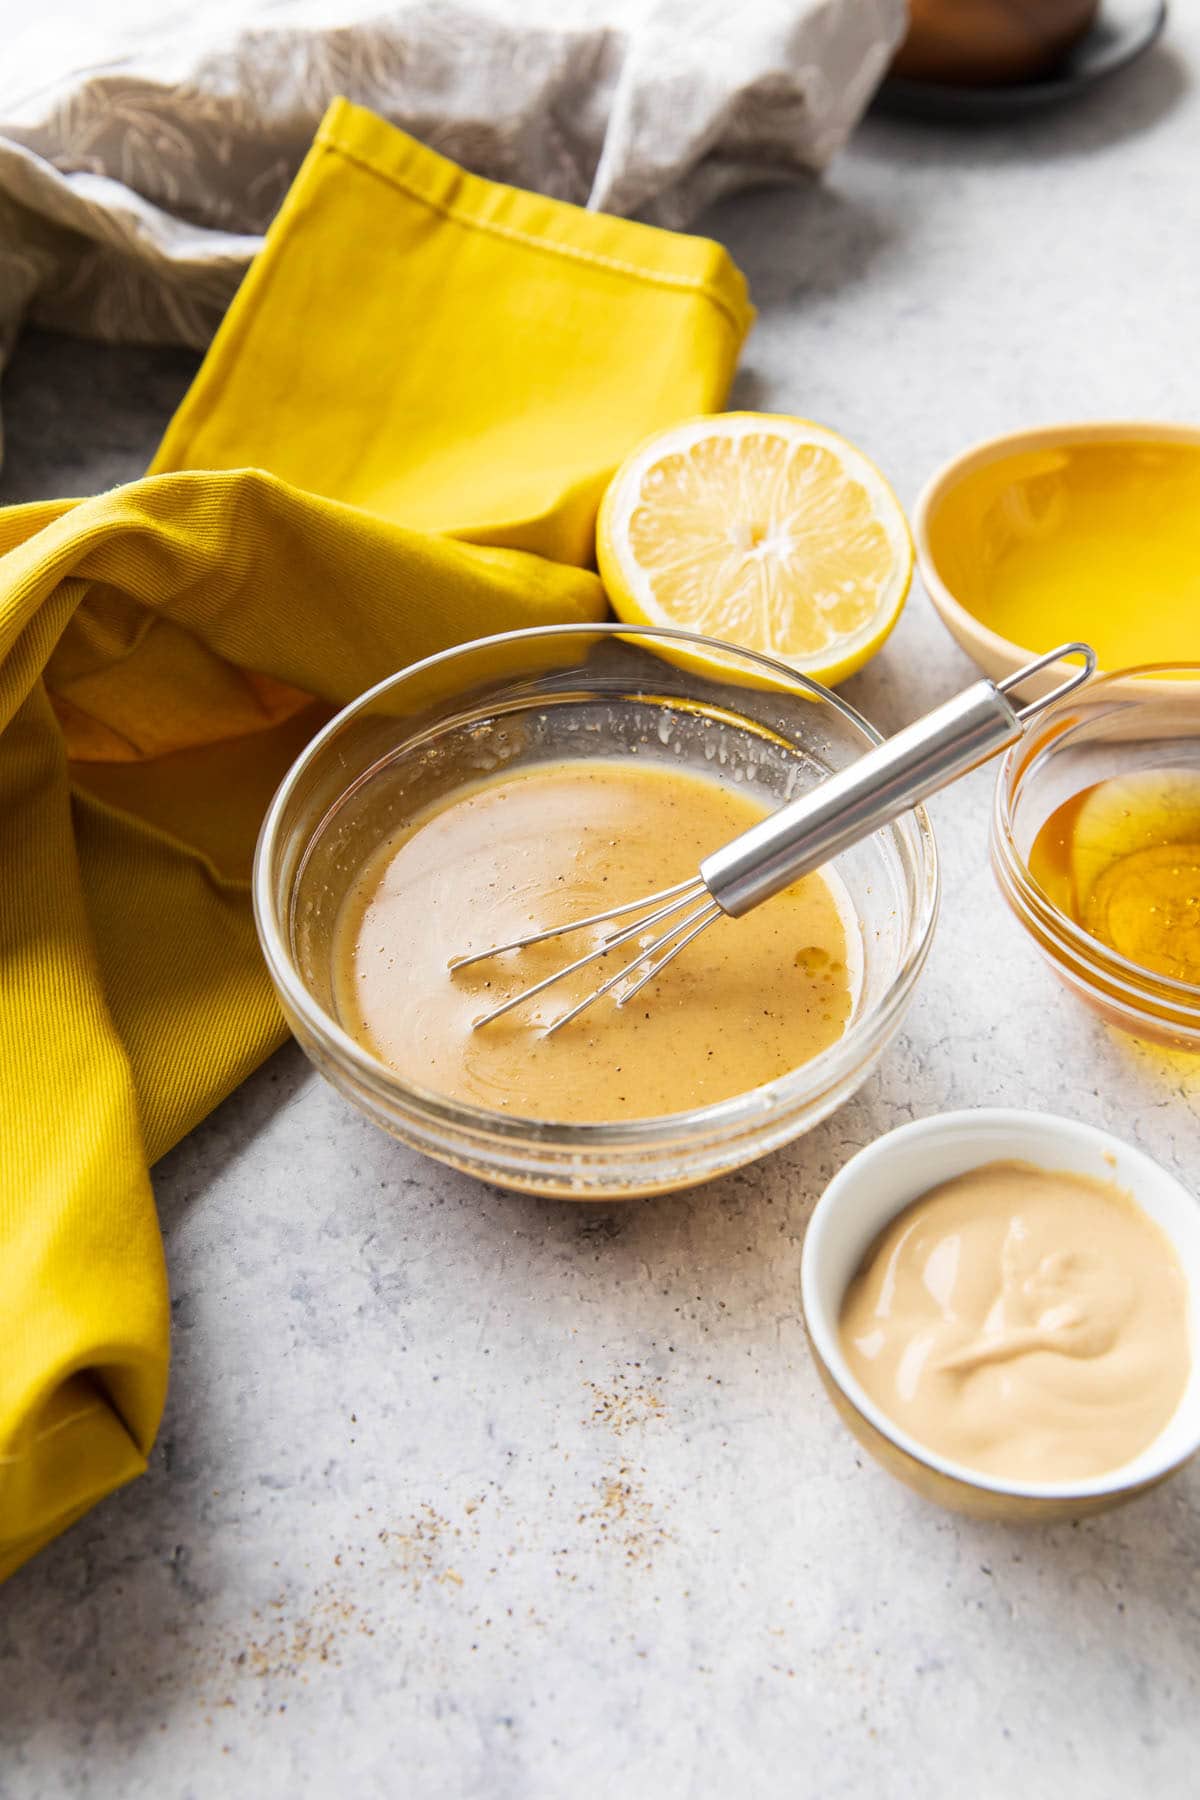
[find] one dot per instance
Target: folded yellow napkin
(397, 441)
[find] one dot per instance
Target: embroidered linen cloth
(145, 145)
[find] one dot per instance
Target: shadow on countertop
(71, 404)
(1130, 101)
(806, 239)
(811, 238)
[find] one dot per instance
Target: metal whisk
(841, 811)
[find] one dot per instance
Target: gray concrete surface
(460, 1494)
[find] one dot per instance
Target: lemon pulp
(764, 531)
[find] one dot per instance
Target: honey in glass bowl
(1096, 846)
(1122, 858)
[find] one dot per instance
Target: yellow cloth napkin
(439, 374)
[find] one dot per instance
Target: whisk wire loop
(685, 892)
(693, 887)
(698, 920)
(709, 917)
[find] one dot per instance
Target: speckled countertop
(460, 1494)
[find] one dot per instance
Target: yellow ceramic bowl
(896, 1169)
(1069, 531)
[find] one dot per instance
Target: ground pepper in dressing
(1025, 1323)
(750, 1000)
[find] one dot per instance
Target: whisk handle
(849, 806)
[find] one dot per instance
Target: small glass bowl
(525, 697)
(1132, 719)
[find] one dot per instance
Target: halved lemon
(765, 531)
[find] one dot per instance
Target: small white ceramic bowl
(898, 1168)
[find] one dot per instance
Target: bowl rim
(954, 614)
(1141, 1470)
(797, 1087)
(1123, 688)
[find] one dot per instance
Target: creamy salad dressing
(752, 999)
(1022, 1322)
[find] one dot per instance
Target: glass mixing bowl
(1144, 718)
(506, 702)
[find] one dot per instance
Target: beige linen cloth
(146, 144)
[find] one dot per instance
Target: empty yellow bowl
(1070, 531)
